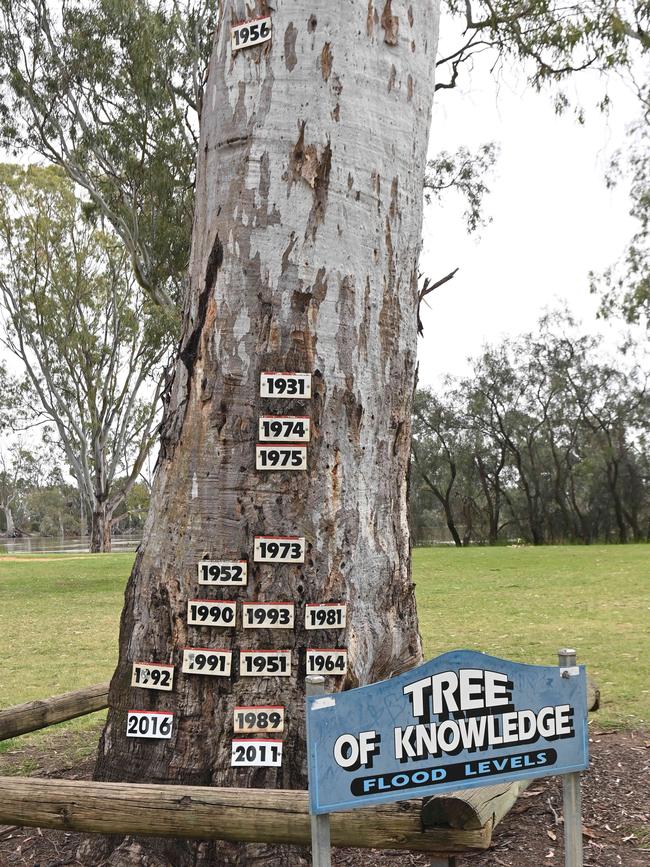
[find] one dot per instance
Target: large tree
(88, 340)
(111, 93)
(304, 258)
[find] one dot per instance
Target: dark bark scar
(290, 57)
(307, 164)
(321, 190)
(189, 351)
(326, 61)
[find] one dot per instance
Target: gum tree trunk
(9, 520)
(100, 531)
(305, 248)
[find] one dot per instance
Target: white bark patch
(241, 330)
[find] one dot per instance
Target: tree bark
(445, 501)
(451, 524)
(304, 258)
(492, 497)
(100, 530)
(9, 520)
(612, 479)
(585, 523)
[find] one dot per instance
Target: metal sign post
(571, 785)
(321, 853)
(461, 720)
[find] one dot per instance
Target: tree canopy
(112, 93)
(88, 339)
(546, 440)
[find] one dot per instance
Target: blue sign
(461, 720)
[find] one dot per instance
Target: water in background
(69, 545)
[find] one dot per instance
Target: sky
(553, 219)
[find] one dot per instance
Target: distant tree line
(36, 499)
(545, 441)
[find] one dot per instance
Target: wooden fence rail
(248, 815)
(35, 715)
(445, 824)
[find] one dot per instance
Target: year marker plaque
(149, 724)
(231, 572)
(211, 612)
(279, 549)
(152, 675)
(258, 752)
(280, 457)
(265, 663)
(268, 615)
(334, 662)
(284, 429)
(261, 719)
(326, 615)
(295, 385)
(207, 660)
(246, 34)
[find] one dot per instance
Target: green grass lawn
(59, 619)
(59, 616)
(525, 603)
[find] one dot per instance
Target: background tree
(53, 506)
(20, 470)
(88, 339)
(131, 515)
(556, 433)
(111, 93)
(613, 407)
(444, 461)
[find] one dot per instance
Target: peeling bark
(326, 61)
(304, 257)
(390, 24)
(290, 59)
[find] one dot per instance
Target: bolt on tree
(304, 261)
